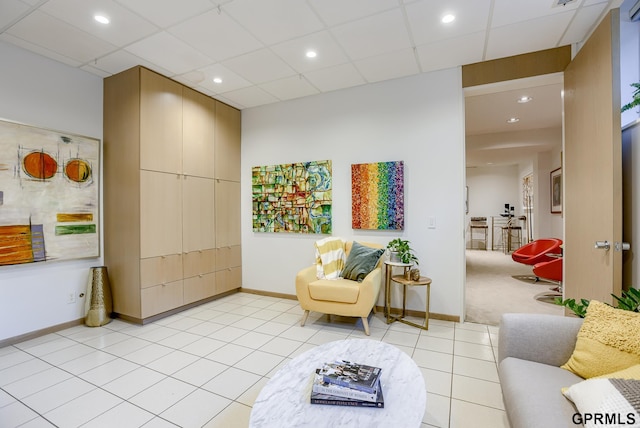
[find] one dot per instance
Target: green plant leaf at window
(636, 98)
(629, 301)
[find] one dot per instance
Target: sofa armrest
(546, 339)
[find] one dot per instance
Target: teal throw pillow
(361, 261)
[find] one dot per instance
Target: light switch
(431, 222)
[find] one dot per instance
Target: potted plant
(630, 301)
(401, 251)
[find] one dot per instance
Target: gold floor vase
(98, 303)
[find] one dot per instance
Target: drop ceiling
(257, 47)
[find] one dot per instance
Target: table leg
(426, 314)
(387, 294)
(404, 299)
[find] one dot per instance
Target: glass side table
(400, 279)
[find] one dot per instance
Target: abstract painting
(293, 197)
(377, 196)
(49, 194)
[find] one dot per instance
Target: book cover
(351, 375)
(317, 398)
(322, 387)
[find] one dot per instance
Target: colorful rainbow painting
(377, 195)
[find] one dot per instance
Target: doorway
(509, 163)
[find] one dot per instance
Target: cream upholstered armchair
(345, 297)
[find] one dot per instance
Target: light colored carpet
(496, 285)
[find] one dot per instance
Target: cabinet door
(198, 212)
(199, 287)
(228, 279)
(160, 123)
(160, 270)
(160, 214)
(198, 111)
(161, 298)
(227, 151)
(227, 213)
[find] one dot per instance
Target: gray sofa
(531, 349)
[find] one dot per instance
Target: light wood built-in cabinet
(171, 195)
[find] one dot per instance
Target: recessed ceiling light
(448, 18)
(513, 120)
(217, 80)
(311, 54)
(101, 19)
(524, 99)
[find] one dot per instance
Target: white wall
(41, 92)
(418, 120)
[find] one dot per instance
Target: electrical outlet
(431, 222)
(71, 297)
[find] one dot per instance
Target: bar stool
(478, 223)
(511, 234)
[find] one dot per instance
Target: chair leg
(304, 318)
(365, 323)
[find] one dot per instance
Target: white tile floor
(204, 367)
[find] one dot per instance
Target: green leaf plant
(636, 98)
(404, 250)
(630, 301)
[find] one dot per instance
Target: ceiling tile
(50, 33)
(165, 13)
(216, 35)
(426, 27)
(122, 60)
(506, 12)
(527, 36)
(334, 12)
(451, 52)
(271, 67)
(11, 10)
(388, 66)
(6, 37)
(582, 24)
(230, 80)
(364, 38)
(333, 78)
(250, 97)
(229, 102)
(125, 26)
(276, 20)
(169, 52)
(289, 88)
(293, 52)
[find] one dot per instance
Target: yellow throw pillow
(608, 341)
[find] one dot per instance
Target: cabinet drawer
(227, 257)
(199, 262)
(160, 270)
(161, 298)
(199, 287)
(228, 279)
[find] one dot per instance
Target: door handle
(603, 245)
(622, 246)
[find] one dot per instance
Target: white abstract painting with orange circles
(49, 195)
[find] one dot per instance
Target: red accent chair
(549, 270)
(535, 252)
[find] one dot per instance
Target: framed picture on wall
(556, 191)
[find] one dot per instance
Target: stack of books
(344, 383)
